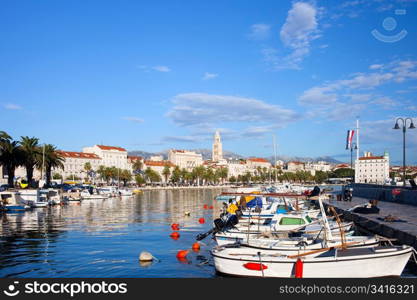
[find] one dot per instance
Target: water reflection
(103, 238)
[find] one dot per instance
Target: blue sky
(156, 75)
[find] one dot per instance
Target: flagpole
(357, 138)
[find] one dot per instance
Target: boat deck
(404, 232)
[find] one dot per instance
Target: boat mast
(275, 156)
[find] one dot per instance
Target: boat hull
(382, 264)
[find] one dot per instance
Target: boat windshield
(308, 219)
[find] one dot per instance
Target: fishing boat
(92, 194)
(33, 198)
(109, 191)
(10, 202)
(380, 261)
(125, 193)
(53, 196)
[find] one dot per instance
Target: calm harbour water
(103, 238)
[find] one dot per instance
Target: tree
(320, 176)
(125, 176)
(199, 173)
(139, 179)
(73, 177)
(11, 156)
(57, 176)
(32, 155)
(176, 175)
(224, 173)
(52, 160)
(166, 172)
(232, 179)
(343, 173)
(137, 166)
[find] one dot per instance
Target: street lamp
(404, 127)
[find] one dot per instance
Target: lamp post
(404, 127)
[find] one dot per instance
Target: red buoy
(205, 206)
(175, 235)
(175, 226)
(255, 266)
(299, 268)
(211, 207)
(201, 220)
(196, 247)
(182, 254)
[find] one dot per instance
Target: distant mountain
(206, 153)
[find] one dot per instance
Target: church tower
(217, 154)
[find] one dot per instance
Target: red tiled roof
(135, 158)
(371, 157)
(296, 162)
(152, 163)
(111, 148)
(256, 159)
(78, 155)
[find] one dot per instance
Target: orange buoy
(201, 220)
(299, 268)
(182, 254)
(175, 235)
(196, 246)
(175, 226)
(205, 206)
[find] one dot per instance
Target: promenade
(404, 232)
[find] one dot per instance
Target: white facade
(217, 154)
(74, 164)
(185, 159)
(110, 156)
(372, 169)
(237, 167)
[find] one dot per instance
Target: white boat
(53, 196)
(125, 192)
(332, 263)
(109, 191)
(10, 202)
(33, 198)
(87, 195)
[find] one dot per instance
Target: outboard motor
(315, 192)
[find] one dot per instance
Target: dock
(402, 232)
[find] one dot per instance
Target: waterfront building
(185, 159)
(74, 164)
(159, 166)
(372, 169)
(110, 156)
(217, 154)
(341, 166)
(256, 162)
(131, 159)
(237, 167)
(294, 166)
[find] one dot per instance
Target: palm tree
(88, 168)
(52, 160)
(137, 166)
(11, 156)
(166, 172)
(32, 155)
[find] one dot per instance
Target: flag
(349, 139)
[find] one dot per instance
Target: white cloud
(260, 31)
(12, 106)
(200, 109)
(334, 97)
(208, 76)
(299, 29)
(161, 69)
(133, 119)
